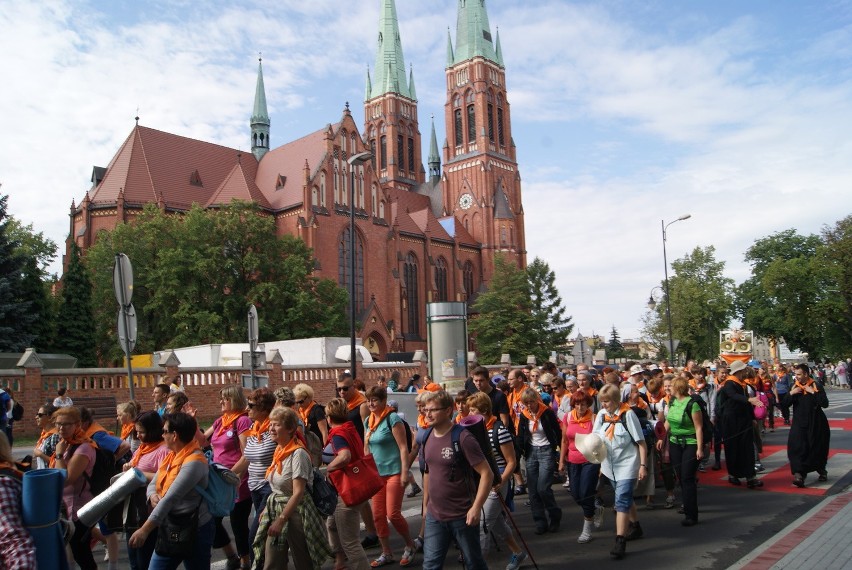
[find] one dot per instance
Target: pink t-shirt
(150, 462)
(78, 494)
(571, 429)
(227, 450)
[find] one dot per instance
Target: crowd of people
(605, 435)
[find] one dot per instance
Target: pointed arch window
(336, 178)
(374, 195)
(343, 267)
(322, 187)
(315, 201)
(411, 154)
(412, 300)
(471, 124)
(500, 120)
(400, 152)
(467, 280)
(457, 121)
(384, 153)
(441, 280)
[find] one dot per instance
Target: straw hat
(591, 446)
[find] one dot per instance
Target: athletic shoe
(567, 483)
(597, 520)
(635, 531)
(521, 490)
(516, 560)
(759, 468)
(418, 544)
(415, 490)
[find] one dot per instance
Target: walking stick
(517, 530)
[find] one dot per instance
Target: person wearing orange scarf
(809, 438)
(624, 464)
(76, 454)
(147, 459)
(582, 474)
(45, 447)
(539, 435)
(736, 417)
(311, 413)
(228, 436)
(288, 518)
(126, 413)
(503, 448)
(182, 469)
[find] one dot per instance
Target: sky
(624, 113)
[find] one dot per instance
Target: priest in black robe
(808, 441)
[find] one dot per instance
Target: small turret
(259, 117)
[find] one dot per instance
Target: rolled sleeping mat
(41, 500)
(475, 424)
(94, 510)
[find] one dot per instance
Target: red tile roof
(428, 223)
(238, 185)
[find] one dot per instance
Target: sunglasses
(251, 404)
(343, 388)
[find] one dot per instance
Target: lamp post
(664, 225)
(354, 160)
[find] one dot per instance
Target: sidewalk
(817, 539)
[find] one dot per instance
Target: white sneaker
(567, 484)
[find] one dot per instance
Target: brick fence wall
(33, 386)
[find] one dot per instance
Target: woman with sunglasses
(75, 453)
(46, 445)
(258, 453)
(228, 436)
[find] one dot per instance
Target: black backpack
(706, 426)
(17, 411)
(460, 462)
(102, 471)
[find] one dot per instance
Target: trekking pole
(517, 530)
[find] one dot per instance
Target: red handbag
(358, 481)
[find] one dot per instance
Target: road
(733, 520)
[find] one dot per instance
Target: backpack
(102, 471)
(314, 447)
(17, 411)
(706, 426)
(459, 460)
(324, 494)
(221, 491)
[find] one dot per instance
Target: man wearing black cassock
(807, 444)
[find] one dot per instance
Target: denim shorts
(624, 494)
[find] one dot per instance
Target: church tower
(390, 109)
(259, 118)
(482, 185)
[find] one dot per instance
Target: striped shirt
(503, 437)
(259, 455)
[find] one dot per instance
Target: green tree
(614, 348)
(503, 323)
(834, 259)
(74, 324)
(34, 291)
(33, 244)
(701, 303)
(196, 275)
(551, 326)
(16, 316)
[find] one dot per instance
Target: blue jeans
(541, 465)
(584, 482)
(198, 560)
(436, 543)
(623, 494)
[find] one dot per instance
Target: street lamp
(664, 225)
(354, 160)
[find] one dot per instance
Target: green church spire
(498, 50)
(450, 57)
(434, 157)
(390, 65)
(411, 89)
(259, 117)
(473, 34)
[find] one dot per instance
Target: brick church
(424, 233)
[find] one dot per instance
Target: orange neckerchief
(810, 382)
(282, 453)
(303, 414)
(489, 423)
(612, 420)
(534, 418)
(258, 429)
(421, 421)
(460, 417)
(228, 419)
(127, 429)
(170, 467)
(45, 433)
(641, 404)
(514, 396)
(742, 383)
(356, 401)
(592, 392)
(580, 420)
(78, 438)
(144, 449)
(694, 385)
(373, 420)
(656, 398)
(95, 428)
